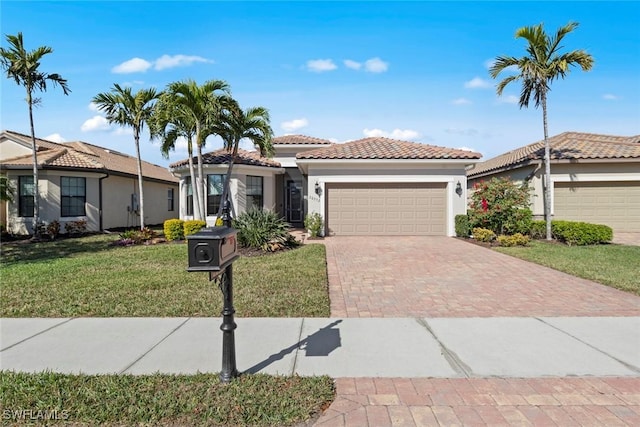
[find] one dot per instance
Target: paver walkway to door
(409, 276)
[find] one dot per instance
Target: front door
(293, 202)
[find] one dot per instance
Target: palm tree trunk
(36, 187)
(137, 140)
(547, 168)
(201, 187)
(194, 188)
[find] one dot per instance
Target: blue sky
(337, 70)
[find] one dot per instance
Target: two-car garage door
(616, 204)
(386, 209)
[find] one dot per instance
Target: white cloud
(354, 65)
(404, 134)
(93, 107)
(321, 65)
(55, 137)
(610, 97)
(461, 101)
(294, 124)
(467, 149)
(135, 65)
(96, 123)
(508, 99)
(376, 65)
(477, 83)
(168, 61)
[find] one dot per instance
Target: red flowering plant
(501, 205)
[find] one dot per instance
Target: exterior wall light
(459, 189)
(318, 188)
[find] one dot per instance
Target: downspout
(100, 199)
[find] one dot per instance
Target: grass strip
(617, 266)
(195, 400)
(91, 277)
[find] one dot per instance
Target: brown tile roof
(565, 146)
(222, 156)
(82, 155)
(379, 148)
(299, 140)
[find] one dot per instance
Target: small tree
(7, 192)
(500, 205)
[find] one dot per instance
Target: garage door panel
(386, 209)
(616, 204)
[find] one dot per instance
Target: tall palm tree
(127, 109)
(23, 68)
(236, 124)
(202, 104)
(543, 64)
(169, 122)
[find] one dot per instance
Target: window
(215, 185)
(26, 191)
(187, 182)
(170, 199)
(254, 192)
(72, 196)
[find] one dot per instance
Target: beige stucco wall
(10, 149)
(450, 174)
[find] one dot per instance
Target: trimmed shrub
(263, 229)
(76, 228)
(538, 229)
(581, 233)
(483, 234)
(173, 229)
(517, 239)
(313, 224)
(192, 226)
(463, 228)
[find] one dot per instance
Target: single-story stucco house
(375, 186)
(81, 181)
(594, 178)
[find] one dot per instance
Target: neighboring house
(594, 178)
(81, 181)
(375, 186)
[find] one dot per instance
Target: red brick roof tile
(379, 148)
(223, 156)
(299, 140)
(565, 146)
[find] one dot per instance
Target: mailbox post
(214, 250)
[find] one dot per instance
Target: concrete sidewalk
(356, 348)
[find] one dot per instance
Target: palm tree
(543, 64)
(125, 108)
(23, 68)
(169, 122)
(202, 104)
(236, 124)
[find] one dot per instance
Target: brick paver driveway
(445, 277)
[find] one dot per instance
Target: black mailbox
(212, 249)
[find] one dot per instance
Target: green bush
(483, 234)
(463, 228)
(581, 233)
(192, 226)
(263, 229)
(313, 224)
(517, 239)
(500, 205)
(173, 229)
(538, 229)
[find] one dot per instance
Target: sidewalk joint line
(622, 362)
(449, 355)
(153, 347)
(38, 333)
(295, 357)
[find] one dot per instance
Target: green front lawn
(164, 400)
(91, 277)
(617, 266)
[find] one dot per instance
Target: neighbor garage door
(386, 209)
(616, 204)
